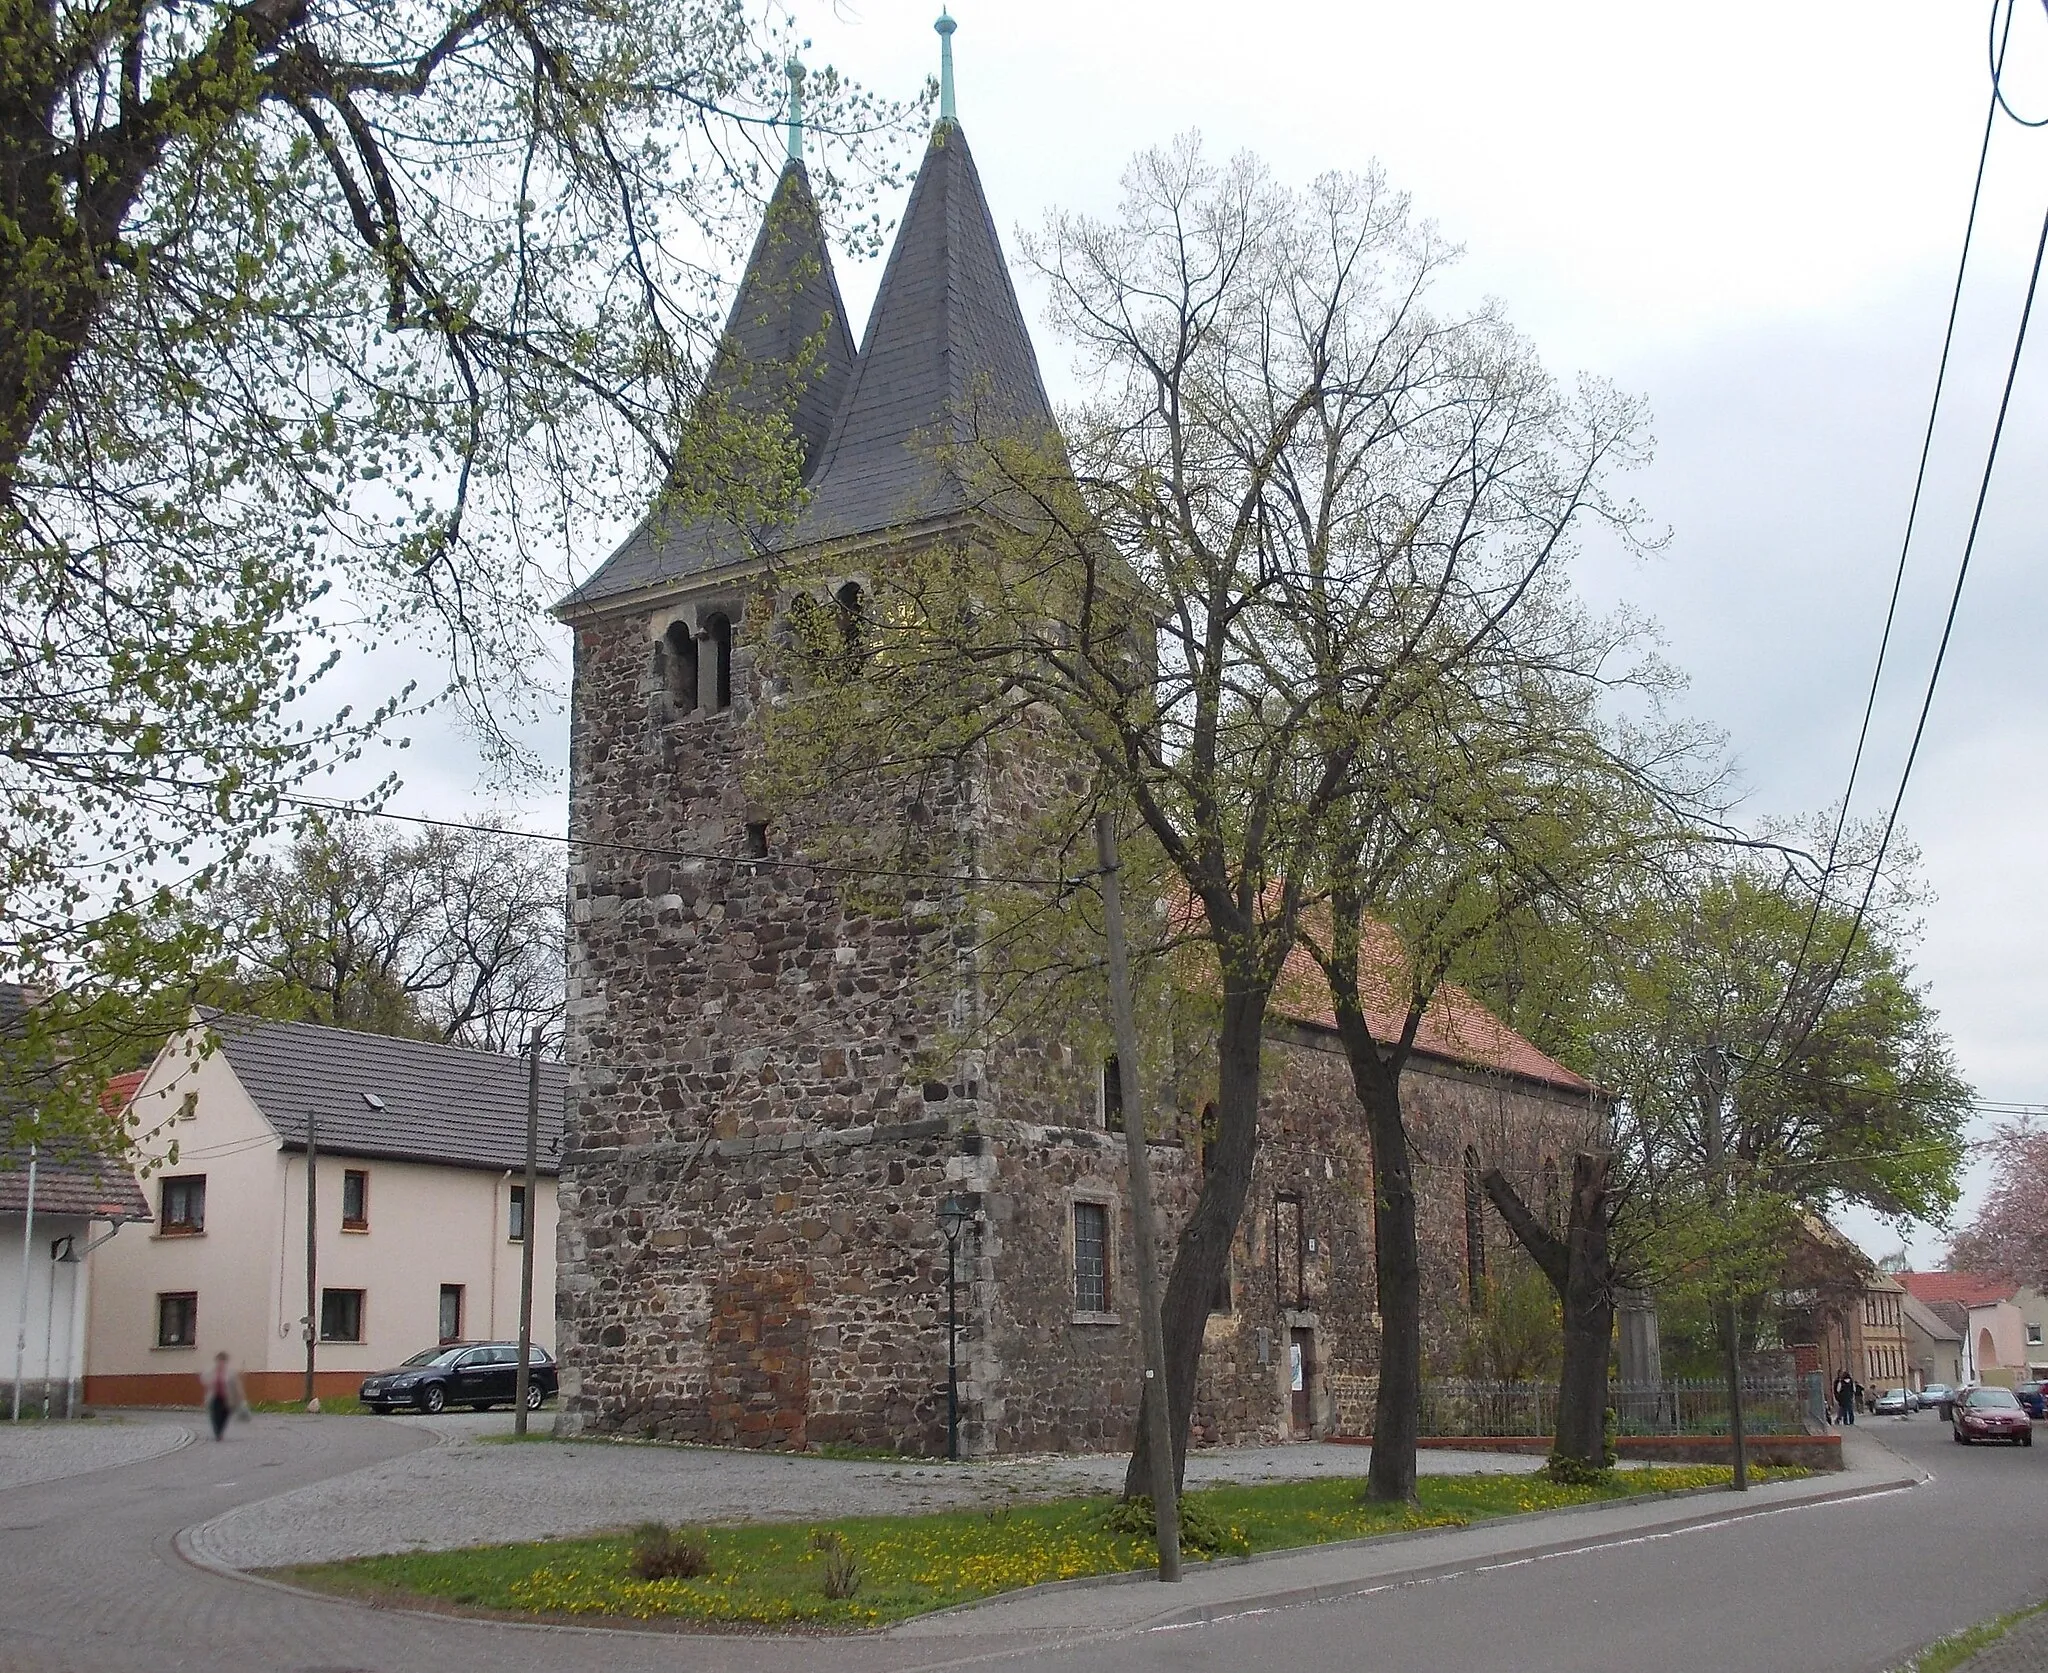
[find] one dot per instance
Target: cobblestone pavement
(33, 1452)
(471, 1490)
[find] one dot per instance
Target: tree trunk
(1203, 1254)
(1397, 1410)
(1579, 1269)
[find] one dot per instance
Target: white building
(419, 1163)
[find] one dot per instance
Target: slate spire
(946, 351)
(785, 348)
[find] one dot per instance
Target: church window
(1290, 1251)
(681, 659)
(1550, 1193)
(852, 627)
(757, 839)
(1475, 1232)
(1112, 1094)
(718, 636)
(1091, 1257)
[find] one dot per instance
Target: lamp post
(953, 1217)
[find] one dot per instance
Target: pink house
(420, 1210)
(1992, 1326)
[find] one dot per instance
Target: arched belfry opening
(718, 645)
(679, 657)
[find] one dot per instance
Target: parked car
(476, 1374)
(1991, 1414)
(1897, 1402)
(2033, 1396)
(1938, 1394)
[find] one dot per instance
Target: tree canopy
(322, 326)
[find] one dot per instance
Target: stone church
(769, 1101)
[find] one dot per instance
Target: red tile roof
(1456, 1027)
(1970, 1289)
(121, 1089)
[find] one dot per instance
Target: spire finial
(795, 71)
(945, 26)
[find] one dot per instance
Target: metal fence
(1770, 1406)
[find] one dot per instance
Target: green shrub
(664, 1553)
(1202, 1534)
(842, 1572)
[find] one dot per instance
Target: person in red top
(223, 1394)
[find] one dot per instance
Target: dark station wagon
(475, 1374)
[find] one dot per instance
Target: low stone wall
(1813, 1452)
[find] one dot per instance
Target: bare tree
(454, 935)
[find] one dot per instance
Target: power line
(1948, 338)
(651, 851)
(1956, 594)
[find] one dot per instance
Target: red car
(1991, 1414)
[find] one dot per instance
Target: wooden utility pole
(528, 1221)
(1731, 1323)
(312, 1252)
(1157, 1417)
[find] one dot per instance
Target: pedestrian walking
(224, 1397)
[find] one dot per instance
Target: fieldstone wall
(770, 1099)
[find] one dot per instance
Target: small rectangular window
(177, 1320)
(355, 1200)
(516, 1220)
(1112, 1094)
(1091, 1257)
(2033, 1335)
(451, 1312)
(341, 1315)
(183, 1205)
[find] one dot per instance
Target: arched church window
(1475, 1232)
(680, 655)
(852, 626)
(718, 639)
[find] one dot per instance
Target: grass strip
(1944, 1655)
(772, 1574)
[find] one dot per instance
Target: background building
(420, 1184)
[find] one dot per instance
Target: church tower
(759, 1144)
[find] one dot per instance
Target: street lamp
(953, 1217)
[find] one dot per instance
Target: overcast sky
(1749, 214)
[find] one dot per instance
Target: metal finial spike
(945, 26)
(796, 111)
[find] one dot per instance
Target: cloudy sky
(1751, 215)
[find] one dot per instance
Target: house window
(680, 657)
(516, 1220)
(451, 1312)
(355, 1200)
(177, 1320)
(1112, 1094)
(2033, 1336)
(852, 630)
(183, 1206)
(341, 1315)
(718, 634)
(1091, 1257)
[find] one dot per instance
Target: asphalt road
(91, 1582)
(1855, 1587)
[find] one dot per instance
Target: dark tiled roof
(788, 300)
(441, 1104)
(91, 1187)
(946, 349)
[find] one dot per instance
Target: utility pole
(1731, 1322)
(529, 1221)
(312, 1255)
(28, 1233)
(1158, 1420)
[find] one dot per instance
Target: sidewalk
(2022, 1650)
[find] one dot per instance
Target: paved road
(94, 1584)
